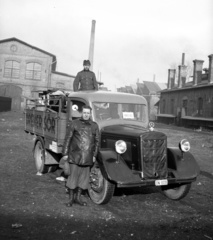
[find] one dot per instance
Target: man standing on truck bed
(85, 80)
(80, 149)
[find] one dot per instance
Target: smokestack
(183, 59)
(92, 44)
(171, 78)
(182, 73)
(210, 76)
(197, 75)
(154, 78)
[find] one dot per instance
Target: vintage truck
(132, 153)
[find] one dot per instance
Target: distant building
(149, 90)
(122, 89)
(134, 87)
(188, 103)
(24, 69)
(102, 88)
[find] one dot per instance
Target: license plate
(161, 182)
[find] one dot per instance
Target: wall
(23, 54)
(191, 95)
(62, 81)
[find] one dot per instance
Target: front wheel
(100, 189)
(176, 191)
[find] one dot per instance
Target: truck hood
(124, 130)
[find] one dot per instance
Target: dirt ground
(33, 207)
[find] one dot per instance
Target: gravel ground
(33, 207)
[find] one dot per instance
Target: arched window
(33, 71)
(11, 69)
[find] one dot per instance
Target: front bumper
(149, 182)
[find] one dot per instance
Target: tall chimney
(182, 72)
(171, 78)
(183, 58)
(92, 44)
(210, 76)
(154, 78)
(197, 75)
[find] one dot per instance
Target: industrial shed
(188, 104)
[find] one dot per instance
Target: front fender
(182, 165)
(114, 168)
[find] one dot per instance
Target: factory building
(25, 70)
(188, 103)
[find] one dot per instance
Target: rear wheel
(176, 191)
(39, 157)
(100, 190)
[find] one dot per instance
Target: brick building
(188, 103)
(25, 69)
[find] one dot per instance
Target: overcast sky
(134, 39)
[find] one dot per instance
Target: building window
(33, 71)
(172, 106)
(185, 106)
(200, 107)
(11, 69)
(164, 106)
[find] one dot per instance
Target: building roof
(103, 88)
(31, 46)
(129, 89)
(63, 74)
(152, 87)
(122, 89)
(140, 88)
(134, 87)
(144, 88)
(162, 85)
(188, 87)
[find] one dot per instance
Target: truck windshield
(125, 111)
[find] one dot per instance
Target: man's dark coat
(81, 142)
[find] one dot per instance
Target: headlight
(120, 146)
(151, 126)
(184, 145)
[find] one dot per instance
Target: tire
(100, 189)
(177, 191)
(39, 157)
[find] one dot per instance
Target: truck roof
(104, 96)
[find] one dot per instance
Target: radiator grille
(154, 155)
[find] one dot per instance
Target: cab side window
(76, 109)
